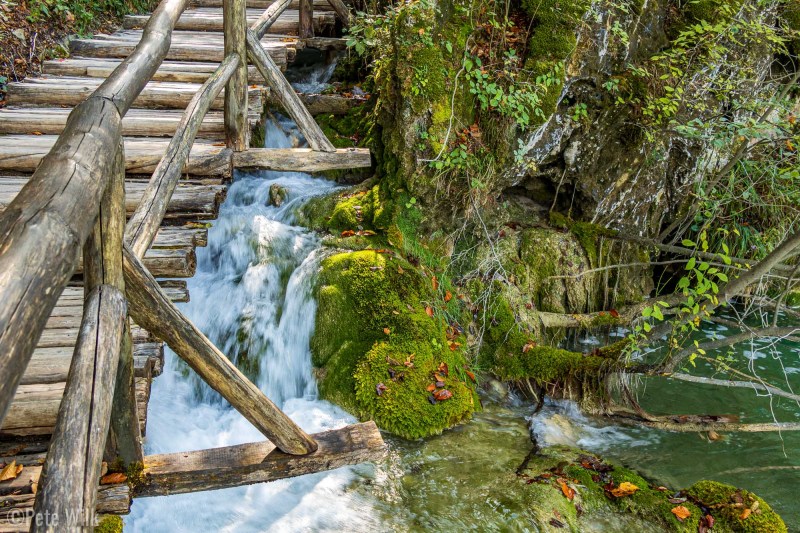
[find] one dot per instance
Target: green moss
(354, 128)
(135, 473)
(362, 296)
(109, 524)
(552, 41)
(728, 504)
(363, 208)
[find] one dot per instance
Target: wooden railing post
(103, 266)
(234, 15)
(67, 490)
(306, 19)
(68, 485)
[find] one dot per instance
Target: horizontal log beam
(302, 159)
(257, 462)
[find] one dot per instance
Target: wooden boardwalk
(37, 113)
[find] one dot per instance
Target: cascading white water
(252, 297)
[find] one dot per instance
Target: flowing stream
(252, 296)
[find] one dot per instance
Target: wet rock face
(591, 159)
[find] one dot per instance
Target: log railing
(75, 201)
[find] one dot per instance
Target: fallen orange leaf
(745, 514)
(429, 311)
(625, 488)
(10, 471)
(681, 512)
(448, 296)
(113, 478)
(387, 330)
(568, 491)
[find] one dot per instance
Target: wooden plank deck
(37, 113)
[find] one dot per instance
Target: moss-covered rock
(378, 350)
(594, 481)
(736, 509)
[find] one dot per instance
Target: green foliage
(372, 320)
(86, 12)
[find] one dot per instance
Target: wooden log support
(143, 225)
(153, 310)
(43, 229)
(302, 159)
(102, 265)
(257, 462)
(235, 26)
(306, 29)
(283, 91)
(342, 11)
(67, 491)
(269, 17)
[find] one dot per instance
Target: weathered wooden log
(67, 491)
(114, 499)
(175, 71)
(102, 264)
(306, 29)
(302, 159)
(342, 11)
(191, 200)
(144, 224)
(138, 122)
(210, 19)
(235, 25)
(167, 262)
(203, 48)
(319, 5)
(325, 43)
(35, 408)
(43, 229)
(268, 18)
(257, 462)
(72, 91)
(153, 310)
(325, 104)
(24, 153)
(283, 91)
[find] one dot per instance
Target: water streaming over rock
(252, 297)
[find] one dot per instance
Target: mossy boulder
(655, 507)
(363, 208)
(736, 509)
(377, 348)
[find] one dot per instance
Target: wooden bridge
(99, 200)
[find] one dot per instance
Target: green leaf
(691, 263)
(688, 243)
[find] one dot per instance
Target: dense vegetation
(567, 165)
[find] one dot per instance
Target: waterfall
(252, 296)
